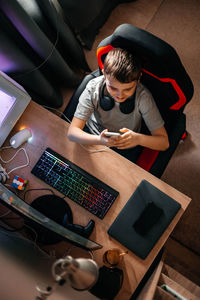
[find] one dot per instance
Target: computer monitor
(12, 201)
(13, 101)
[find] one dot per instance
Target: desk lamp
(81, 272)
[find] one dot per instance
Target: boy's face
(120, 91)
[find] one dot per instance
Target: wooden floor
(167, 282)
(183, 260)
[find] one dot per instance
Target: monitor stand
(57, 209)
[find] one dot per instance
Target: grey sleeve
(150, 112)
(85, 106)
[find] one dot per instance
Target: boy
(117, 102)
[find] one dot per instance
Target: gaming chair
(165, 77)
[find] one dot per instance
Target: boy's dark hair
(122, 65)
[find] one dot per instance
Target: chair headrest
(161, 63)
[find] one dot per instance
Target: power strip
(3, 174)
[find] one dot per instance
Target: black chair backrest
(163, 72)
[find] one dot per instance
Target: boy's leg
(131, 154)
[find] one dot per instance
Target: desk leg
(147, 275)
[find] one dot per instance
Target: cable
(69, 121)
(11, 230)
(5, 214)
(60, 112)
(95, 150)
(22, 166)
(12, 218)
(4, 161)
(71, 248)
(19, 167)
(35, 233)
(34, 242)
(36, 247)
(48, 56)
(30, 190)
(3, 174)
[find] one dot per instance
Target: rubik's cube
(19, 183)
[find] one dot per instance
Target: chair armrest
(155, 161)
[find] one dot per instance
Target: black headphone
(107, 102)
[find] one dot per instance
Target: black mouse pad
(143, 219)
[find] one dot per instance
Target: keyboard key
(75, 183)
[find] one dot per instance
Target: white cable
(19, 167)
(22, 166)
(60, 112)
(89, 150)
(3, 174)
(70, 249)
(95, 150)
(48, 56)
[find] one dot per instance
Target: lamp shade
(82, 273)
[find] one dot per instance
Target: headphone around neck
(107, 102)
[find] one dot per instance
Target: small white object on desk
(20, 137)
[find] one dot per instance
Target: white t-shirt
(97, 119)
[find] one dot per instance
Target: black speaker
(58, 210)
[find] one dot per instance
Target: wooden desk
(51, 131)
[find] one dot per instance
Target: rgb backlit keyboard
(75, 183)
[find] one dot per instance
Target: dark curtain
(86, 17)
(42, 43)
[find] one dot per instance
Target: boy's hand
(109, 141)
(127, 140)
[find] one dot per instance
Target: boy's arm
(158, 140)
(76, 134)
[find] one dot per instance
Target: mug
(113, 257)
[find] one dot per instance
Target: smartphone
(108, 133)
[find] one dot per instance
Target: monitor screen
(7, 102)
(13, 101)
(12, 201)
